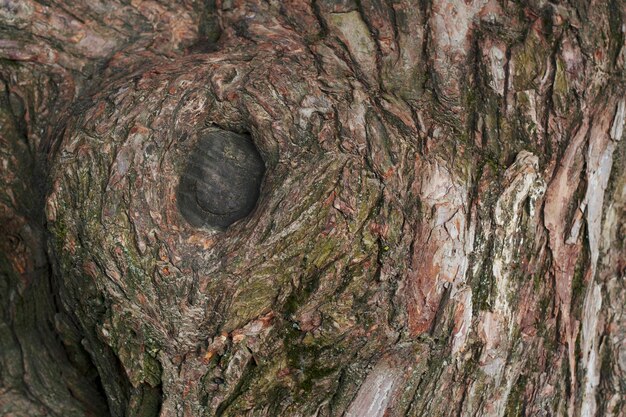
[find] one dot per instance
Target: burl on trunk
(312, 208)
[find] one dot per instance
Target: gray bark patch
(221, 181)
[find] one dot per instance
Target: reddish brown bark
(439, 229)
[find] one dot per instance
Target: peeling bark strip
(439, 231)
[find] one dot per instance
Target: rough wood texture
(440, 229)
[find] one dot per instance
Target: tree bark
(439, 230)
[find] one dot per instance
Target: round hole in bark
(221, 181)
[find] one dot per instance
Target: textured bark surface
(439, 231)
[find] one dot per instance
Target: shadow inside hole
(221, 180)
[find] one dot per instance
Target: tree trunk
(439, 229)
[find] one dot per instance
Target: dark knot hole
(221, 180)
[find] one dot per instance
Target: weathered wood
(439, 229)
(221, 180)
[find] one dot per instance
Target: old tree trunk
(439, 229)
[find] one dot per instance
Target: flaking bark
(439, 230)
